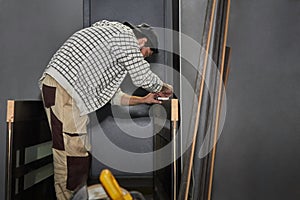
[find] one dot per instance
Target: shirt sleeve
(124, 47)
(116, 99)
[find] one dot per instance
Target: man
(84, 75)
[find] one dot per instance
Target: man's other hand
(166, 90)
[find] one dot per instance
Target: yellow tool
(112, 187)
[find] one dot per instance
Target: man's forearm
(128, 100)
(150, 98)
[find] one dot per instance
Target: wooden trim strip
(199, 102)
(9, 146)
(174, 119)
(10, 111)
(174, 110)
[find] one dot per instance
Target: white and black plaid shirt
(94, 61)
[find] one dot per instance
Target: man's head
(147, 38)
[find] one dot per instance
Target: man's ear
(142, 42)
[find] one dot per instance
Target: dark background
(257, 154)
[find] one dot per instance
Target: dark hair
(144, 30)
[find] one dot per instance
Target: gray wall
(258, 153)
(31, 31)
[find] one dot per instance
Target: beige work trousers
(71, 158)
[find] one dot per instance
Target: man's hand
(134, 100)
(151, 98)
(166, 90)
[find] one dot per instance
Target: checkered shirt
(94, 61)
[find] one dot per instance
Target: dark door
(157, 13)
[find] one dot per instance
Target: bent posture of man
(84, 75)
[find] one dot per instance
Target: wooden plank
(174, 110)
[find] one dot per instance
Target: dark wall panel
(134, 11)
(156, 13)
